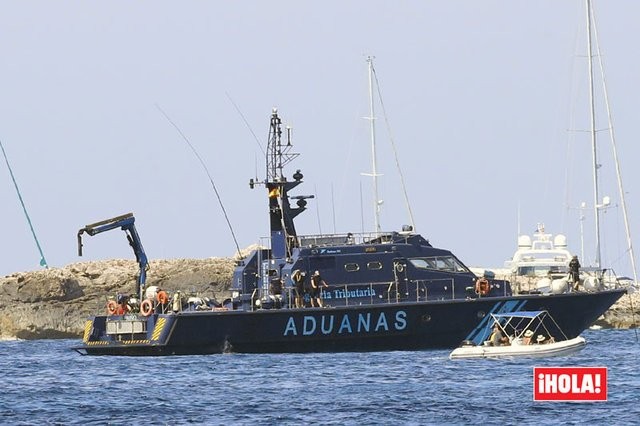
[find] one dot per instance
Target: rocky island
(55, 302)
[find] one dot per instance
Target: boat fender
(112, 307)
(146, 307)
(482, 286)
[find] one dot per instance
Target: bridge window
(439, 263)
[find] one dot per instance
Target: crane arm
(125, 222)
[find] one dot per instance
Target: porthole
(374, 266)
(351, 267)
(426, 318)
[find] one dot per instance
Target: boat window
(420, 263)
(541, 270)
(374, 266)
(351, 267)
(439, 263)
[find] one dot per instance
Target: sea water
(45, 382)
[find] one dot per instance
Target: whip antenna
(204, 166)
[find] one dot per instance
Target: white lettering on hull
(345, 324)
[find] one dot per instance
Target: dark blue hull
(382, 327)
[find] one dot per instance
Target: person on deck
(316, 289)
(574, 271)
(526, 340)
(298, 278)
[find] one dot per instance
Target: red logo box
(570, 383)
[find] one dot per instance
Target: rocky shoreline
(55, 303)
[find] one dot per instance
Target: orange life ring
(482, 286)
(146, 307)
(163, 297)
(112, 307)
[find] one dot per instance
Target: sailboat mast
(374, 172)
(596, 208)
(615, 156)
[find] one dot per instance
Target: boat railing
(422, 288)
(395, 293)
(350, 238)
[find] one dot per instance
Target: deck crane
(125, 222)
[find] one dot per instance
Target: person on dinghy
(497, 338)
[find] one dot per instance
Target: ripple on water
(48, 383)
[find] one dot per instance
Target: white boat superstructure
(540, 264)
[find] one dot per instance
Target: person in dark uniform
(298, 278)
(276, 287)
(574, 271)
(316, 289)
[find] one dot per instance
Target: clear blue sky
(479, 95)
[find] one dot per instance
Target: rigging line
(245, 122)
(43, 261)
(395, 152)
(615, 150)
(204, 166)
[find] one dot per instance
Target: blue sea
(45, 382)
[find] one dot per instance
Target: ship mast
(596, 206)
(374, 173)
(281, 213)
(615, 155)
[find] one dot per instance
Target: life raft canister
(146, 307)
(112, 307)
(482, 286)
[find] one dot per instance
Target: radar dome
(560, 241)
(524, 241)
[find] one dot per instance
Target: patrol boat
(385, 291)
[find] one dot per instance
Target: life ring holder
(482, 286)
(146, 307)
(112, 307)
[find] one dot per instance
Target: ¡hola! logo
(570, 383)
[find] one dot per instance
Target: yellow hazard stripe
(135, 342)
(98, 343)
(87, 330)
(122, 342)
(157, 331)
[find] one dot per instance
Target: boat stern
(125, 334)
